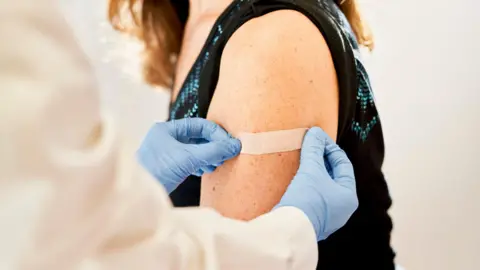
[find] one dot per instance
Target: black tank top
(364, 242)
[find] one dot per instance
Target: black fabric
(364, 242)
(181, 8)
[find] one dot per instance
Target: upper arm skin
(276, 73)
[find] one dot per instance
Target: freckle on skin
(213, 188)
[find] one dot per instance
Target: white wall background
(427, 84)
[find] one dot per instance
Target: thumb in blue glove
(327, 198)
(174, 150)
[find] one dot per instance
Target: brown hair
(156, 24)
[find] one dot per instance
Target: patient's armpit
(272, 141)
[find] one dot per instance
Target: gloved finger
(198, 173)
(198, 128)
(195, 141)
(327, 166)
(219, 164)
(215, 152)
(342, 168)
(208, 169)
(313, 148)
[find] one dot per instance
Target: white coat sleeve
(72, 195)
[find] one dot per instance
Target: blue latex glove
(174, 150)
(327, 197)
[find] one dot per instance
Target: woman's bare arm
(276, 73)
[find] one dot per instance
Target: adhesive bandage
(272, 141)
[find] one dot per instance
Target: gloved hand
(174, 150)
(327, 198)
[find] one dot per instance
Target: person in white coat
(72, 196)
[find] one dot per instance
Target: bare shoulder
(276, 73)
(279, 31)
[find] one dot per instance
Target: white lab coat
(72, 195)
